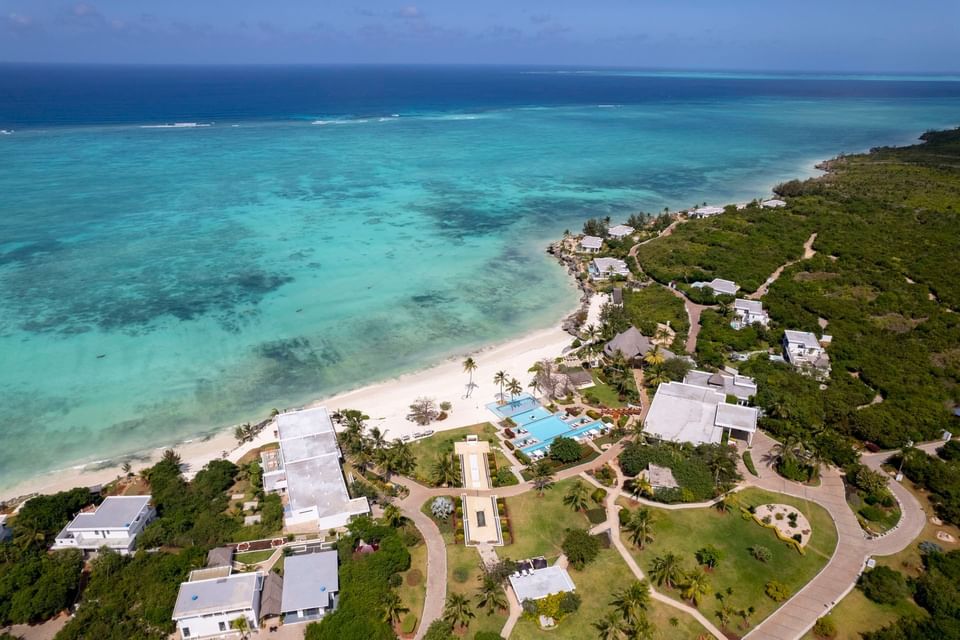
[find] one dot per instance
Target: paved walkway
(798, 614)
(693, 315)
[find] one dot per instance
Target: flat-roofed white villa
(706, 212)
(535, 584)
(481, 518)
(729, 383)
(604, 268)
(683, 412)
(306, 472)
(591, 244)
(114, 524)
(311, 585)
(620, 231)
(209, 602)
(804, 350)
(719, 286)
(748, 312)
(773, 203)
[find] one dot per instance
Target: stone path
(808, 253)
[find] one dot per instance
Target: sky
(799, 35)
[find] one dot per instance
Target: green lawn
(539, 523)
(414, 595)
(596, 584)
(427, 450)
(683, 532)
(253, 557)
(856, 614)
(604, 393)
(463, 576)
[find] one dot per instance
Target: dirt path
(808, 253)
(693, 316)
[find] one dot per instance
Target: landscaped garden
(597, 585)
(702, 472)
(413, 588)
(730, 554)
(539, 523)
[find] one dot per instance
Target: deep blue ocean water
(337, 225)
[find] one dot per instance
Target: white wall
(210, 625)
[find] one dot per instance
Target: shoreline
(386, 402)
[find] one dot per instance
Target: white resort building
(729, 383)
(719, 286)
(773, 203)
(603, 268)
(311, 585)
(212, 599)
(591, 244)
(683, 412)
(481, 518)
(706, 212)
(620, 231)
(748, 312)
(306, 472)
(532, 583)
(114, 524)
(804, 350)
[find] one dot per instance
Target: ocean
(321, 228)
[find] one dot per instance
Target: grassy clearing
(539, 523)
(856, 614)
(463, 576)
(426, 451)
(654, 304)
(604, 393)
(596, 584)
(683, 532)
(413, 591)
(253, 557)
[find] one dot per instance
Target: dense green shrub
(41, 518)
(565, 450)
(694, 468)
(580, 547)
(748, 463)
(35, 586)
(941, 478)
(825, 628)
(884, 585)
(776, 591)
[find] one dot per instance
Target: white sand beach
(387, 403)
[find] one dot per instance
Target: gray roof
(734, 416)
(220, 557)
(579, 377)
(617, 295)
(311, 462)
(591, 242)
(271, 596)
(631, 343)
(753, 306)
(661, 477)
(743, 387)
(620, 230)
(115, 512)
(238, 591)
(540, 583)
(804, 339)
(719, 285)
(309, 581)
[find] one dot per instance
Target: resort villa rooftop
(773, 203)
(206, 606)
(727, 383)
(591, 244)
(116, 523)
(306, 472)
(620, 231)
(632, 344)
(803, 349)
(537, 428)
(603, 268)
(534, 584)
(310, 586)
(706, 212)
(748, 312)
(719, 286)
(683, 412)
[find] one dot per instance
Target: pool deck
(536, 427)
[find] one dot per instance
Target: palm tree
(376, 440)
(637, 430)
(640, 527)
(659, 376)
(696, 586)
(643, 629)
(654, 357)
(171, 457)
(444, 472)
(457, 611)
(609, 627)
(500, 378)
(490, 596)
(666, 570)
(542, 477)
(640, 487)
(577, 496)
(393, 608)
(534, 386)
(399, 459)
(514, 387)
(632, 601)
(126, 467)
(469, 366)
(242, 625)
(393, 516)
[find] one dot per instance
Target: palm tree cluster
(512, 385)
(668, 570)
(365, 447)
(619, 374)
(797, 454)
(457, 611)
(244, 433)
(654, 362)
(491, 596)
(628, 620)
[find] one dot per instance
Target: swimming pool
(545, 430)
(521, 404)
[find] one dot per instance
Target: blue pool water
(517, 407)
(333, 226)
(546, 430)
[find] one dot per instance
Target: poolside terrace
(537, 428)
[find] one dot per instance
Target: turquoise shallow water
(257, 263)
